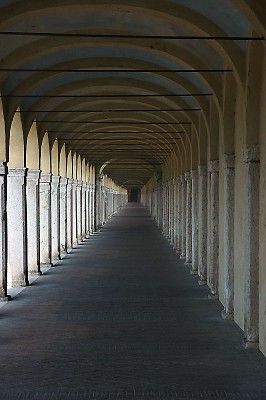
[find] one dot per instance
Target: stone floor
(121, 318)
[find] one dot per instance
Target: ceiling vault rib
(124, 36)
(105, 96)
(116, 122)
(100, 71)
(113, 110)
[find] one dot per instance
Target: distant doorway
(134, 195)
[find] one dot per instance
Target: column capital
(70, 181)
(251, 154)
(228, 161)
(214, 166)
(33, 174)
(17, 171)
(202, 170)
(55, 179)
(45, 178)
(79, 183)
(188, 176)
(194, 174)
(63, 181)
(3, 168)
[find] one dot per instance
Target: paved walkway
(122, 318)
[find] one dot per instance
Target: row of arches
(48, 200)
(209, 199)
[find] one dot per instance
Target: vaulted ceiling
(120, 83)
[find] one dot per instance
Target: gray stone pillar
(179, 214)
(98, 202)
(45, 219)
(3, 233)
(62, 215)
(83, 210)
(69, 214)
(195, 222)
(79, 211)
(188, 218)
(183, 216)
(203, 224)
(251, 246)
(229, 212)
(175, 213)
(55, 218)
(33, 218)
(16, 227)
(159, 201)
(74, 213)
(213, 234)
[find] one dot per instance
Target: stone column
(55, 218)
(251, 246)
(79, 211)
(93, 208)
(3, 234)
(229, 212)
(69, 214)
(213, 234)
(74, 213)
(203, 224)
(88, 214)
(183, 216)
(179, 214)
(195, 222)
(45, 219)
(172, 212)
(159, 200)
(62, 215)
(98, 202)
(33, 218)
(188, 219)
(84, 210)
(16, 227)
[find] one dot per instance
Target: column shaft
(16, 227)
(203, 224)
(251, 246)
(213, 236)
(188, 218)
(3, 233)
(55, 217)
(74, 213)
(45, 219)
(183, 216)
(229, 212)
(195, 222)
(62, 215)
(33, 218)
(69, 214)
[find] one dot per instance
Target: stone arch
(32, 149)
(45, 163)
(16, 143)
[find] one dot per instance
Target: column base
(188, 264)
(16, 284)
(182, 257)
(193, 272)
(35, 272)
(227, 316)
(202, 282)
(213, 296)
(5, 298)
(250, 345)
